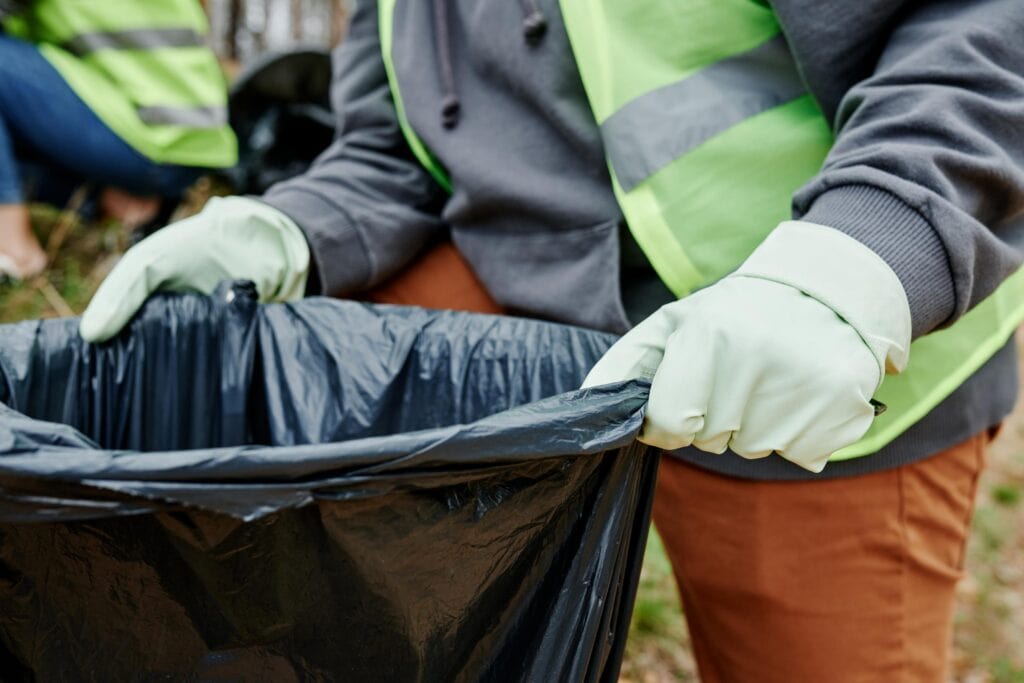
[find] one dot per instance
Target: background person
(124, 94)
(692, 119)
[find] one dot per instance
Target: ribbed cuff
(903, 238)
(846, 276)
(340, 263)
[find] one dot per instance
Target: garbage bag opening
(202, 372)
(451, 526)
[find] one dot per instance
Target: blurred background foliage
(241, 30)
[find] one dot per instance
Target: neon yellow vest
(708, 131)
(143, 67)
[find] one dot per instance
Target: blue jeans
(48, 132)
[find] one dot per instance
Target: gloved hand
(783, 355)
(233, 238)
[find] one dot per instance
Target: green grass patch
(1007, 494)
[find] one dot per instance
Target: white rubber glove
(232, 238)
(783, 355)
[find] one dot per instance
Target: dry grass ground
(990, 619)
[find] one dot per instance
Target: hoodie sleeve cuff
(340, 264)
(902, 238)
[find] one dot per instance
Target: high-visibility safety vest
(708, 131)
(143, 67)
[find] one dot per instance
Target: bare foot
(21, 256)
(128, 209)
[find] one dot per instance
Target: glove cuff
(843, 274)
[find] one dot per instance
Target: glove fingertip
(669, 440)
(97, 326)
(814, 465)
(599, 376)
(113, 305)
(92, 331)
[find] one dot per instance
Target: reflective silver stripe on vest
(193, 117)
(132, 39)
(658, 127)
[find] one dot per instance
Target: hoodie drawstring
(534, 23)
(534, 26)
(450, 104)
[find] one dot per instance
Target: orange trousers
(829, 581)
(837, 580)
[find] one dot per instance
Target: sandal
(10, 272)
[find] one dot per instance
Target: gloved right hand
(781, 356)
(233, 238)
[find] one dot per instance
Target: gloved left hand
(783, 355)
(232, 238)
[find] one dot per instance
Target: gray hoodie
(927, 101)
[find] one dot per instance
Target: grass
(81, 254)
(656, 649)
(81, 257)
(989, 636)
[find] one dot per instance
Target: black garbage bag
(281, 113)
(323, 491)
